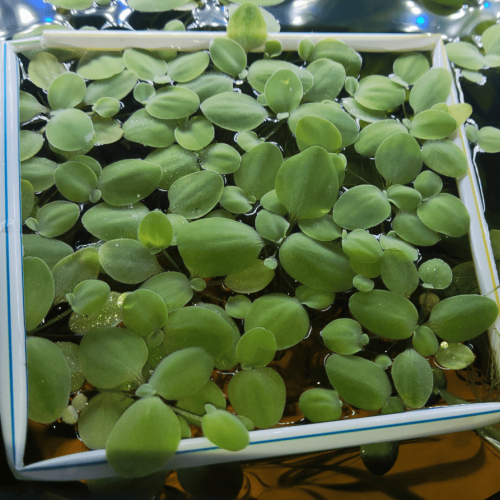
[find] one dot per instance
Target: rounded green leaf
(432, 124)
(155, 231)
(107, 222)
(362, 246)
(195, 134)
(44, 68)
(27, 199)
(71, 354)
(70, 130)
(66, 91)
(234, 111)
(221, 158)
(89, 296)
(98, 65)
(320, 405)
(339, 52)
(329, 77)
(461, 318)
(75, 181)
(29, 107)
(172, 103)
(50, 250)
(307, 184)
(237, 306)
(399, 273)
(145, 63)
(128, 181)
(251, 280)
(198, 327)
(358, 111)
(218, 247)
(409, 227)
(234, 200)
(225, 430)
(315, 299)
(100, 416)
(398, 159)
(107, 130)
(187, 67)
(428, 184)
(445, 214)
(373, 135)
(283, 91)
(247, 27)
(321, 228)
(112, 356)
(445, 158)
(256, 347)
(143, 439)
(172, 287)
(362, 283)
(116, 87)
(107, 107)
(144, 312)
(194, 195)
(366, 270)
(465, 55)
(391, 241)
(435, 274)
(49, 380)
(30, 143)
(228, 56)
(38, 291)
(454, 356)
(360, 382)
(261, 70)
(343, 336)
(208, 85)
(405, 198)
(411, 66)
(319, 265)
(424, 341)
(306, 48)
(128, 261)
(143, 92)
(259, 395)
(314, 131)
(379, 93)
(387, 314)
(488, 139)
(209, 393)
(431, 88)
(361, 207)
(56, 218)
(284, 316)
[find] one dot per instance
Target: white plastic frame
(199, 451)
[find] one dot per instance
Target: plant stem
(185, 413)
(53, 320)
(164, 252)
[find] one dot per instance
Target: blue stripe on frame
(402, 424)
(7, 259)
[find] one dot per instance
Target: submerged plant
(327, 213)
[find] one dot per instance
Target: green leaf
(321, 228)
(234, 200)
(398, 159)
(27, 199)
(143, 92)
(465, 55)
(197, 327)
(488, 139)
(225, 430)
(106, 107)
(358, 111)
(170, 103)
(144, 312)
(379, 93)
(432, 124)
(411, 66)
(66, 91)
(139, 443)
(218, 247)
(178, 222)
(405, 198)
(362, 246)
(237, 306)
(283, 91)
(194, 195)
(145, 63)
(329, 78)
(320, 405)
(208, 85)
(373, 135)
(71, 354)
(347, 127)
(116, 87)
(256, 347)
(360, 382)
(410, 228)
(247, 27)
(424, 341)
(319, 265)
(387, 314)
(256, 175)
(56, 218)
(490, 39)
(399, 273)
(306, 48)
(431, 88)
(98, 65)
(460, 112)
(89, 296)
(221, 158)
(366, 270)
(315, 299)
(100, 416)
(234, 111)
(70, 130)
(107, 130)
(29, 107)
(445, 214)
(49, 380)
(270, 202)
(412, 376)
(107, 222)
(128, 261)
(344, 336)
(445, 158)
(259, 395)
(172, 287)
(38, 291)
(339, 52)
(187, 67)
(391, 241)
(361, 207)
(75, 181)
(362, 283)
(195, 134)
(43, 69)
(251, 280)
(261, 70)
(209, 393)
(435, 274)
(314, 131)
(284, 316)
(112, 356)
(351, 86)
(50, 250)
(128, 181)
(73, 269)
(30, 143)
(461, 318)
(454, 356)
(155, 231)
(428, 184)
(228, 56)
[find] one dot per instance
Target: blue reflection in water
(486, 5)
(422, 21)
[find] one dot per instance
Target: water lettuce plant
(202, 214)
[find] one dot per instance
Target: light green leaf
(155, 231)
(432, 124)
(454, 356)
(107, 107)
(410, 228)
(98, 65)
(251, 280)
(379, 93)
(270, 202)
(27, 199)
(234, 200)
(424, 341)
(488, 139)
(247, 27)
(405, 198)
(117, 87)
(38, 291)
(445, 158)
(228, 56)
(29, 107)
(411, 66)
(362, 246)
(187, 67)
(329, 77)
(170, 103)
(320, 405)
(107, 130)
(435, 273)
(344, 336)
(56, 218)
(315, 299)
(315, 131)
(465, 55)
(490, 39)
(70, 130)
(143, 92)
(428, 184)
(50, 250)
(209, 393)
(362, 283)
(172, 287)
(358, 111)
(339, 52)
(145, 63)
(372, 136)
(431, 88)
(256, 347)
(271, 226)
(261, 70)
(283, 91)
(195, 134)
(224, 429)
(66, 91)
(306, 48)
(209, 84)
(30, 143)
(71, 354)
(89, 296)
(75, 181)
(43, 69)
(321, 228)
(221, 158)
(399, 273)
